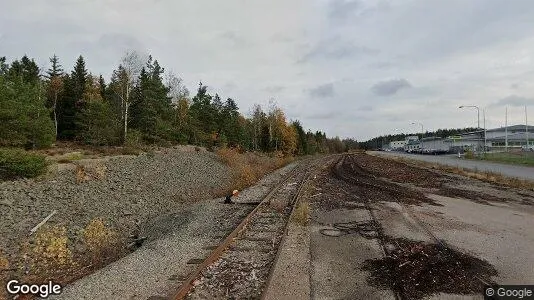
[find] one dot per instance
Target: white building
(397, 145)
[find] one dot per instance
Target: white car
(527, 148)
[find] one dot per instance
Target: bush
(469, 154)
(19, 163)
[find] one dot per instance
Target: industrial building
(495, 139)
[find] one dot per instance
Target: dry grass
(70, 157)
(486, 176)
(102, 243)
(301, 214)
(90, 172)
(248, 168)
(50, 255)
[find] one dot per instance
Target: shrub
(102, 243)
(49, 255)
(134, 138)
(16, 163)
(469, 154)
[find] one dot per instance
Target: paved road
(522, 172)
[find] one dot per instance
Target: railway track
(240, 266)
(358, 176)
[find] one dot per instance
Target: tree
(55, 86)
(302, 141)
(25, 119)
(203, 116)
(69, 105)
(177, 90)
(127, 76)
(151, 107)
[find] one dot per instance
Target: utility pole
(506, 130)
(422, 132)
(478, 117)
(526, 127)
(484, 112)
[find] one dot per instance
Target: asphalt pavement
(522, 172)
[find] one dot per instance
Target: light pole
(478, 112)
(478, 119)
(422, 133)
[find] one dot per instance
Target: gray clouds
(514, 100)
(329, 63)
(322, 91)
(390, 87)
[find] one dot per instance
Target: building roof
(512, 128)
(519, 136)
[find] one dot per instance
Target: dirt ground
(384, 229)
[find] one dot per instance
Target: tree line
(141, 103)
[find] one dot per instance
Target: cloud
(342, 9)
(235, 39)
(336, 48)
(365, 108)
(514, 100)
(390, 87)
(275, 89)
(323, 115)
(322, 91)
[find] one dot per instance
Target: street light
(478, 119)
(422, 132)
(478, 112)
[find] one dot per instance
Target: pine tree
(151, 111)
(71, 101)
(25, 119)
(55, 87)
(55, 68)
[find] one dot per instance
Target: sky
(351, 68)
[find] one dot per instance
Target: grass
(301, 214)
(516, 158)
(16, 163)
(70, 157)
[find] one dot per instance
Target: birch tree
(128, 74)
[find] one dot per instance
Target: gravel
(126, 191)
(161, 264)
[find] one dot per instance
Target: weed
(101, 242)
(301, 214)
(81, 176)
(49, 256)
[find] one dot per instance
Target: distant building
(435, 145)
(397, 145)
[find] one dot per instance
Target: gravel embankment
(124, 191)
(159, 267)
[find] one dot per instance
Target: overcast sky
(351, 68)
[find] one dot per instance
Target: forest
(140, 104)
